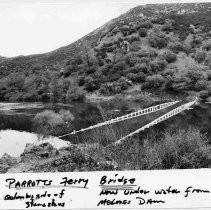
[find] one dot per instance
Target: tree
(188, 42)
(208, 59)
(146, 24)
(142, 32)
(158, 64)
(200, 55)
(30, 88)
(157, 40)
(87, 55)
(168, 26)
(154, 81)
(90, 84)
(75, 94)
(206, 45)
(169, 56)
(176, 46)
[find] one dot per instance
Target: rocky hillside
(45, 158)
(157, 48)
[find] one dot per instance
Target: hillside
(162, 48)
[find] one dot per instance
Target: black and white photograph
(104, 85)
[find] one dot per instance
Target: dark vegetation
(164, 47)
(179, 149)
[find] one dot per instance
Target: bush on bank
(51, 123)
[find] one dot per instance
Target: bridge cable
(125, 117)
(156, 121)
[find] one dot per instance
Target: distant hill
(2, 58)
(145, 46)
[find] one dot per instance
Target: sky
(39, 26)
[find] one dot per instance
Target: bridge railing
(126, 117)
(156, 121)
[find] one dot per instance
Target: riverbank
(172, 150)
(136, 94)
(46, 158)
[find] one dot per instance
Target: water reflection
(13, 142)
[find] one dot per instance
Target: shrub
(51, 123)
(133, 70)
(115, 88)
(123, 83)
(81, 80)
(100, 62)
(90, 84)
(138, 68)
(176, 47)
(131, 31)
(124, 28)
(208, 59)
(113, 77)
(158, 64)
(139, 77)
(200, 56)
(200, 85)
(188, 43)
(204, 94)
(157, 40)
(208, 75)
(183, 149)
(177, 149)
(154, 66)
(104, 89)
(75, 94)
(159, 21)
(147, 24)
(107, 44)
(78, 60)
(131, 59)
(170, 70)
(143, 68)
(169, 56)
(198, 40)
(135, 46)
(91, 69)
(68, 70)
(154, 81)
(209, 89)
(145, 60)
(194, 74)
(146, 53)
(181, 83)
(133, 38)
(142, 32)
(167, 28)
(66, 115)
(189, 79)
(206, 45)
(120, 66)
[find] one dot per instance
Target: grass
(168, 149)
(176, 149)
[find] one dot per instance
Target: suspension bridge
(138, 113)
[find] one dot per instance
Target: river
(16, 120)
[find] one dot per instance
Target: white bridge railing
(126, 117)
(156, 121)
